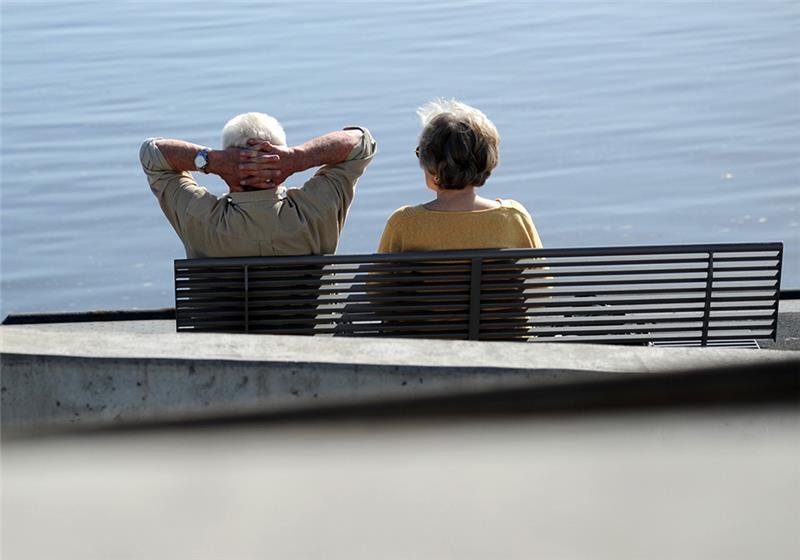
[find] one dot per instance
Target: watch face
(200, 160)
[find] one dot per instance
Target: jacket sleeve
(175, 190)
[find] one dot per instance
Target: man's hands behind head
(226, 163)
(265, 165)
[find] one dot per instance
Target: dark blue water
(621, 122)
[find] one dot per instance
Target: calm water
(622, 122)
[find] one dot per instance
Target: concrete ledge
(788, 326)
(127, 371)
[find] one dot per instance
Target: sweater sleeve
(531, 233)
(537, 241)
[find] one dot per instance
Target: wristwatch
(201, 160)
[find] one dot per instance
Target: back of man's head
(236, 131)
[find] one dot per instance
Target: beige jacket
(280, 221)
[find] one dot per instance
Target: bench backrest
(647, 294)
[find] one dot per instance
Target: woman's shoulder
(523, 218)
(513, 206)
(405, 212)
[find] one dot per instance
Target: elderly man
(259, 216)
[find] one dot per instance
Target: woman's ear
(431, 181)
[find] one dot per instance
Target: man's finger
(251, 166)
(264, 173)
(265, 146)
(267, 158)
(259, 169)
(253, 155)
(255, 179)
(259, 144)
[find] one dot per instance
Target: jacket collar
(265, 195)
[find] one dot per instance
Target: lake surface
(622, 122)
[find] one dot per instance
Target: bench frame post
(247, 298)
(475, 298)
(707, 306)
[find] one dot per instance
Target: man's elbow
(145, 152)
(364, 146)
(150, 156)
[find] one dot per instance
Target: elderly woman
(458, 149)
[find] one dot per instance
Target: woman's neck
(462, 200)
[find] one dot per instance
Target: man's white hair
(252, 125)
(460, 110)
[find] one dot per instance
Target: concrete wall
(40, 388)
(97, 372)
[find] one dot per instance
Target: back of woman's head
(459, 146)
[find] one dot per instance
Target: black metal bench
(676, 294)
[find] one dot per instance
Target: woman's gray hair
(236, 131)
(459, 145)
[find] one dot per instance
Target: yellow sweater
(415, 228)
